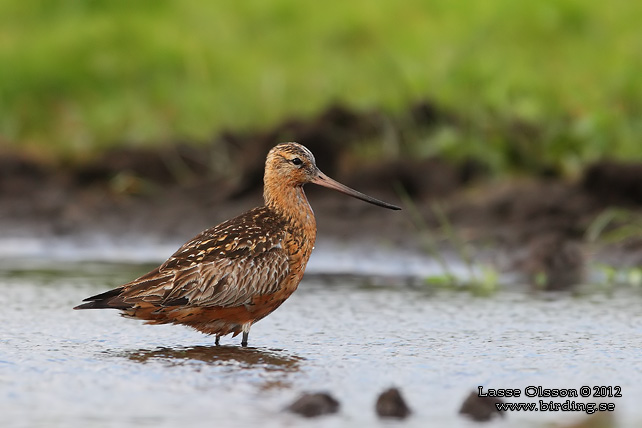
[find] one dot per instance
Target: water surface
(351, 337)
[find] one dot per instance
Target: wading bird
(230, 276)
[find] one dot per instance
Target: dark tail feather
(108, 300)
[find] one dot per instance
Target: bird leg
(246, 332)
(218, 338)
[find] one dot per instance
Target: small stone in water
(480, 409)
(312, 405)
(391, 404)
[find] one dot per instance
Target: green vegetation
(81, 75)
(615, 225)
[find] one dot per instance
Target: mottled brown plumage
(234, 274)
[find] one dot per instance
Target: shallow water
(350, 337)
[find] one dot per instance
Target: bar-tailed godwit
(232, 275)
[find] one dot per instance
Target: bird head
(291, 164)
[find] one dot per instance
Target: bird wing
(224, 266)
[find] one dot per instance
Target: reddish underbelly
(212, 320)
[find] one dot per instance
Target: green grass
(77, 76)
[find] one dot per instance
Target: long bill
(323, 180)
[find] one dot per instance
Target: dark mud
(313, 405)
(390, 404)
(176, 191)
(480, 409)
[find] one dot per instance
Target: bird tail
(108, 300)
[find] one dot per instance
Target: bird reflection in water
(232, 359)
(270, 360)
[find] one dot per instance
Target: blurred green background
(78, 76)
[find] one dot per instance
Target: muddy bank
(179, 190)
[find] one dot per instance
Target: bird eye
(297, 161)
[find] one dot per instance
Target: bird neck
(291, 203)
(300, 231)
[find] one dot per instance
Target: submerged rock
(313, 405)
(480, 409)
(391, 404)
